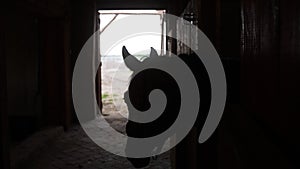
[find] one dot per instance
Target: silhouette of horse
(145, 81)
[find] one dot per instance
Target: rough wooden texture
(4, 144)
(289, 79)
(270, 55)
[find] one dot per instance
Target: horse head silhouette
(141, 85)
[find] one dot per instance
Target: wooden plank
(4, 142)
(82, 28)
(132, 4)
(67, 77)
(270, 64)
(289, 77)
(260, 61)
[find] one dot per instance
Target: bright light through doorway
(139, 44)
(115, 75)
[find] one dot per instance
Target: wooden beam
(132, 4)
(4, 144)
(67, 77)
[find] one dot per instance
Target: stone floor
(55, 149)
(75, 150)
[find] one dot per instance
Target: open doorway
(115, 76)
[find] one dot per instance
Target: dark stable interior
(259, 45)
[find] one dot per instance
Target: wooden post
(67, 120)
(4, 144)
(97, 58)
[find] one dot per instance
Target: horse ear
(130, 61)
(153, 53)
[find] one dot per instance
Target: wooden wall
(4, 140)
(37, 51)
(263, 127)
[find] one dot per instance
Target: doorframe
(120, 5)
(166, 5)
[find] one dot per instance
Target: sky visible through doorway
(115, 75)
(139, 45)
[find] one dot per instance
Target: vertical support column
(289, 81)
(4, 143)
(67, 77)
(98, 57)
(189, 153)
(209, 23)
(83, 26)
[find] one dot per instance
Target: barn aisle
(75, 150)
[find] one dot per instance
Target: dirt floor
(115, 81)
(55, 149)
